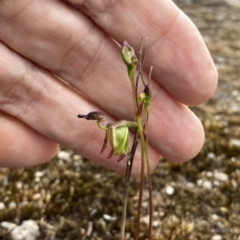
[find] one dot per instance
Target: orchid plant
(117, 134)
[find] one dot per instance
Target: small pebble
(7, 225)
(145, 219)
(233, 159)
(64, 155)
(216, 183)
(215, 217)
(29, 230)
(190, 185)
(235, 93)
(36, 196)
(234, 142)
(108, 217)
(2, 205)
(36, 179)
(234, 183)
(221, 176)
(169, 190)
(12, 205)
(156, 223)
(162, 214)
(209, 174)
(211, 155)
(224, 209)
(207, 185)
(76, 157)
(145, 204)
(39, 174)
(93, 212)
(102, 224)
(23, 203)
(83, 231)
(217, 237)
(19, 185)
(199, 182)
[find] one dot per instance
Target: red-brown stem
(142, 140)
(127, 182)
(140, 194)
(149, 177)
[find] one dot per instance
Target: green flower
(119, 140)
(129, 58)
(118, 135)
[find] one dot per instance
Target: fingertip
(45, 152)
(200, 80)
(189, 144)
(185, 66)
(174, 130)
(21, 146)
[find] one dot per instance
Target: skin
(59, 59)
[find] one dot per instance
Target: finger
(63, 101)
(21, 146)
(50, 107)
(55, 51)
(182, 63)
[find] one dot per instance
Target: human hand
(45, 42)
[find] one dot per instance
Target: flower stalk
(117, 135)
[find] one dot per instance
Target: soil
(199, 200)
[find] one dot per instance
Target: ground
(72, 198)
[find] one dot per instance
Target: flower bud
(127, 53)
(148, 96)
(129, 58)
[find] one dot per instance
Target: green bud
(141, 97)
(129, 58)
(127, 53)
(148, 96)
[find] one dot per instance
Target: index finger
(182, 63)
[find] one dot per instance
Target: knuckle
(92, 8)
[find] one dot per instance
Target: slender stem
(127, 182)
(101, 126)
(134, 93)
(140, 132)
(149, 177)
(129, 163)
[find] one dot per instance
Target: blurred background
(71, 198)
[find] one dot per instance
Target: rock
(109, 218)
(221, 176)
(169, 190)
(234, 143)
(39, 174)
(207, 185)
(64, 155)
(2, 205)
(12, 205)
(217, 237)
(29, 230)
(7, 225)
